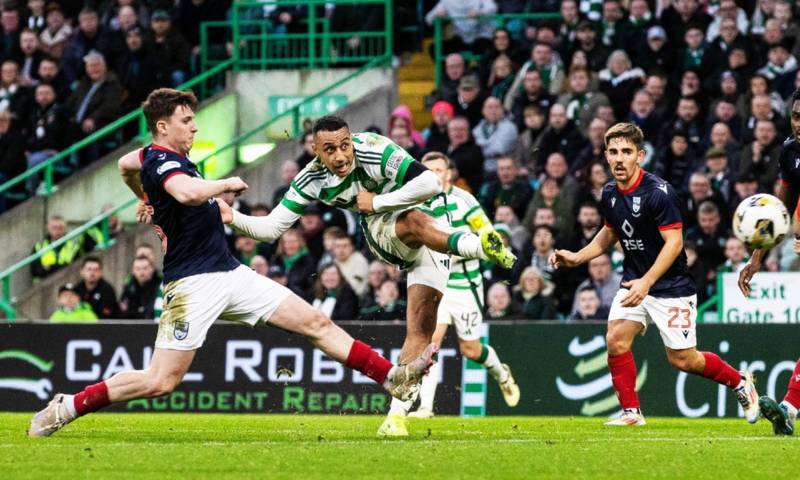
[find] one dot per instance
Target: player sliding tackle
(203, 280)
(643, 212)
(368, 173)
(783, 415)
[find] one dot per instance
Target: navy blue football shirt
(638, 215)
(789, 165)
(193, 236)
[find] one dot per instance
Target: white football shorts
(675, 318)
(460, 309)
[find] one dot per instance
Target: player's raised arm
(601, 243)
(263, 229)
(195, 191)
(420, 185)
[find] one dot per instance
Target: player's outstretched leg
(165, 372)
(416, 228)
(709, 365)
(487, 356)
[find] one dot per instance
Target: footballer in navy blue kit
(203, 282)
(783, 415)
(642, 211)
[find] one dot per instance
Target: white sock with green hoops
(467, 245)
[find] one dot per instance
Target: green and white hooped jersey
(379, 166)
(458, 205)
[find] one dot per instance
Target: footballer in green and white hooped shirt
(369, 174)
(462, 304)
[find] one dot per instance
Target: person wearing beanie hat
(436, 139)
(70, 307)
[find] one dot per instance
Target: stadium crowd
(521, 112)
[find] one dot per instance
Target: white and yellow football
(761, 221)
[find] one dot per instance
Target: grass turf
(306, 446)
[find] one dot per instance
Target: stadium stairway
(415, 82)
(263, 176)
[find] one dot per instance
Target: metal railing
(499, 20)
(204, 83)
(257, 42)
(6, 302)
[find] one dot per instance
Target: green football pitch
(304, 446)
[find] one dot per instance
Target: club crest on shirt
(637, 205)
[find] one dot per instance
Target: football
(761, 221)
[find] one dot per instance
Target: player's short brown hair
(434, 155)
(161, 103)
(628, 131)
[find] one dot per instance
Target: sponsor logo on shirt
(167, 166)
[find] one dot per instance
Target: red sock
(623, 376)
(793, 390)
(91, 399)
(720, 371)
(367, 361)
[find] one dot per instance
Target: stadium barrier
(561, 369)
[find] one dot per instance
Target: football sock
(91, 399)
(720, 371)
(430, 381)
(491, 361)
(399, 407)
(623, 376)
(467, 245)
(793, 390)
(367, 361)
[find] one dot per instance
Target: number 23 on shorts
(678, 315)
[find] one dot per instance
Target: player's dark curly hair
(329, 123)
(161, 103)
(796, 95)
(627, 131)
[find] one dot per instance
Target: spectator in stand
(36, 16)
(375, 276)
(86, 38)
(549, 196)
(700, 190)
(56, 36)
(30, 56)
(692, 54)
(506, 189)
(114, 41)
(781, 68)
(49, 73)
(333, 296)
(758, 85)
(97, 99)
(245, 248)
(656, 53)
(676, 161)
(596, 53)
(542, 245)
(172, 51)
(12, 153)
(677, 17)
(95, 290)
(10, 34)
(499, 305)
(593, 178)
(469, 101)
(568, 30)
(719, 173)
(728, 10)
(560, 136)
(720, 138)
(293, 257)
(556, 168)
(709, 236)
(547, 62)
(454, 70)
(529, 137)
(686, 120)
(532, 93)
(589, 223)
(760, 157)
(533, 295)
(745, 186)
(64, 255)
(602, 279)
(517, 233)
(502, 44)
(581, 103)
(471, 33)
(735, 256)
(137, 69)
(761, 109)
(589, 308)
(464, 153)
(14, 97)
(617, 30)
(619, 81)
(353, 265)
(495, 134)
(289, 170)
(643, 115)
(501, 78)
(593, 152)
(307, 155)
(435, 135)
(401, 116)
(70, 307)
(401, 135)
(388, 305)
(260, 265)
(139, 293)
(46, 130)
(111, 15)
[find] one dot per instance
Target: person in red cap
(436, 139)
